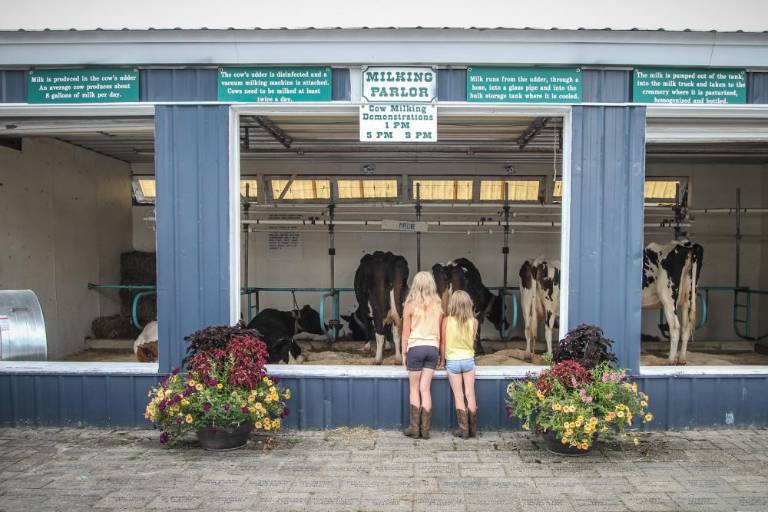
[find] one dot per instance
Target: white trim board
(77, 368)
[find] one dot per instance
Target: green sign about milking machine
(105, 85)
(523, 85)
(689, 86)
(275, 85)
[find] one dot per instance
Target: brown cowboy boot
(426, 417)
(413, 428)
(473, 423)
(462, 420)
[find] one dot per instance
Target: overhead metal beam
(535, 127)
(275, 131)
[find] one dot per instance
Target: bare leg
(425, 384)
(469, 390)
(674, 327)
(686, 331)
(413, 388)
(379, 348)
(454, 379)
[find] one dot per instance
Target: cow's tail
(693, 298)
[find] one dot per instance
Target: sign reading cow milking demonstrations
(275, 85)
(689, 86)
(523, 85)
(398, 104)
(104, 85)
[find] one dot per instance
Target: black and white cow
(278, 329)
(670, 275)
(540, 300)
(381, 286)
(462, 274)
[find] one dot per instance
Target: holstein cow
(145, 346)
(381, 285)
(462, 274)
(278, 329)
(540, 300)
(670, 275)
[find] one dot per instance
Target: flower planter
(555, 446)
(216, 439)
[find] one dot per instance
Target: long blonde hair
(460, 307)
(423, 292)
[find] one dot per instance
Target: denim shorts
(420, 357)
(460, 365)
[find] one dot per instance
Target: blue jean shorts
(460, 365)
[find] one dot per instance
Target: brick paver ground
(360, 470)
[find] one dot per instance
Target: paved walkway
(361, 469)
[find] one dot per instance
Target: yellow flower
(243, 405)
(219, 385)
(620, 414)
(644, 404)
(259, 406)
(287, 394)
(593, 420)
(585, 445)
(199, 386)
(251, 398)
(567, 424)
(572, 409)
(634, 387)
(276, 423)
(564, 441)
(191, 382)
(267, 381)
(184, 401)
(610, 416)
(268, 399)
(258, 424)
(604, 429)
(636, 441)
(251, 409)
(579, 421)
(526, 426)
(189, 418)
(267, 425)
(648, 417)
(539, 394)
(530, 384)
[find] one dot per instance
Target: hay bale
(113, 327)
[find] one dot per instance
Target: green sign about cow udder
(272, 85)
(114, 85)
(689, 86)
(524, 85)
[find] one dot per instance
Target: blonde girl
(422, 315)
(458, 331)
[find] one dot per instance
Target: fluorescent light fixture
(442, 190)
(517, 190)
(367, 188)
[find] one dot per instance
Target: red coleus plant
(570, 373)
(248, 353)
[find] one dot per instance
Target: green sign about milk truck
(688, 86)
(523, 85)
(104, 85)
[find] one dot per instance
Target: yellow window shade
(147, 186)
(661, 189)
(558, 190)
(301, 189)
(518, 190)
(249, 188)
(443, 190)
(367, 189)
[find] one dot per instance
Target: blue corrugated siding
(177, 85)
(606, 85)
(13, 86)
(341, 87)
(192, 167)
(452, 84)
(757, 87)
(606, 215)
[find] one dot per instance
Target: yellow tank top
(459, 343)
(425, 326)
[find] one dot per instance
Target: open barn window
(367, 188)
(442, 189)
(282, 189)
(520, 190)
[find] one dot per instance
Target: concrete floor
(368, 470)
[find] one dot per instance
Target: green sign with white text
(524, 85)
(112, 85)
(275, 85)
(689, 86)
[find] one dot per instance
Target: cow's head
(496, 314)
(309, 320)
(442, 275)
(358, 327)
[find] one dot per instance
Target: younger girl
(421, 341)
(458, 336)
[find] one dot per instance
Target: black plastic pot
(214, 438)
(554, 445)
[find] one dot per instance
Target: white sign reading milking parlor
(398, 104)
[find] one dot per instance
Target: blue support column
(606, 219)
(193, 224)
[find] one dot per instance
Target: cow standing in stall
(670, 275)
(540, 300)
(462, 274)
(381, 286)
(278, 329)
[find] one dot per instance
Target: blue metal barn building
(197, 143)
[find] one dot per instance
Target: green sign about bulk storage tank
(113, 85)
(274, 85)
(689, 86)
(524, 85)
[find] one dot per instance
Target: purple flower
(175, 371)
(176, 399)
(285, 412)
(206, 407)
(245, 410)
(276, 380)
(186, 392)
(227, 406)
(163, 405)
(163, 438)
(212, 382)
(163, 380)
